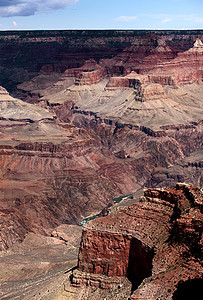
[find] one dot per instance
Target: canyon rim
(101, 128)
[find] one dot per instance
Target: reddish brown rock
(154, 92)
(89, 73)
(128, 80)
(92, 77)
(158, 239)
(185, 68)
(163, 64)
(93, 141)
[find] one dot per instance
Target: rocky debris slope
(169, 94)
(35, 268)
(15, 109)
(46, 164)
(92, 135)
(156, 244)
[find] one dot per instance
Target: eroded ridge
(154, 245)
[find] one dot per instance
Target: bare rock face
(129, 80)
(103, 135)
(3, 91)
(89, 73)
(162, 63)
(154, 92)
(157, 239)
(198, 46)
(185, 68)
(103, 114)
(143, 89)
(115, 255)
(88, 78)
(44, 164)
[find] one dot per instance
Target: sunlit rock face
(87, 116)
(147, 243)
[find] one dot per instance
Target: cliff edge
(155, 245)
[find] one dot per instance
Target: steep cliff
(185, 68)
(46, 164)
(93, 135)
(24, 54)
(102, 114)
(155, 243)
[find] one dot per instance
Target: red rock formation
(158, 238)
(63, 163)
(29, 145)
(88, 78)
(163, 64)
(89, 65)
(89, 73)
(185, 68)
(44, 165)
(128, 80)
(153, 92)
(39, 180)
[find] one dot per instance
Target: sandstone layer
(44, 165)
(91, 121)
(156, 244)
(102, 114)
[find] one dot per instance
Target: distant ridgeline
(29, 52)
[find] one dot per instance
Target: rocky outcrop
(44, 165)
(39, 181)
(89, 73)
(143, 90)
(114, 259)
(89, 65)
(129, 80)
(154, 92)
(114, 111)
(158, 239)
(197, 47)
(88, 78)
(27, 53)
(163, 64)
(185, 68)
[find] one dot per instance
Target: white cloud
(10, 8)
(14, 23)
(166, 20)
(126, 18)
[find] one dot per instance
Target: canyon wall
(26, 53)
(148, 240)
(98, 129)
(104, 114)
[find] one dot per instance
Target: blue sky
(104, 14)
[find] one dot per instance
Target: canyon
(154, 239)
(85, 117)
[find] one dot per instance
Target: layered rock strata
(44, 165)
(89, 73)
(185, 68)
(158, 239)
(121, 110)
